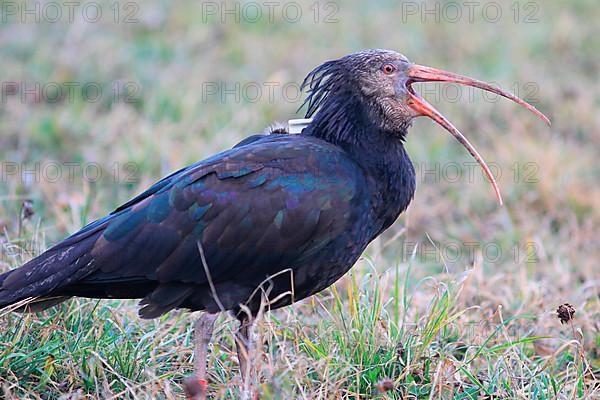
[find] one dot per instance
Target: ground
(457, 300)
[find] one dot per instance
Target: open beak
(420, 107)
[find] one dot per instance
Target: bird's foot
(195, 388)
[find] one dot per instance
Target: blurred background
(101, 99)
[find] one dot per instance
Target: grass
(343, 343)
(456, 300)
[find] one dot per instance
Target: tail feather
(39, 304)
(56, 268)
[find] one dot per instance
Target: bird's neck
(345, 123)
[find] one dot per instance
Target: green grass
(356, 338)
(426, 309)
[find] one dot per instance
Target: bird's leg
(244, 341)
(195, 385)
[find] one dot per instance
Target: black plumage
(281, 202)
(277, 218)
(307, 203)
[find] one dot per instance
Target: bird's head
(381, 81)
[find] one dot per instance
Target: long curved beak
(420, 107)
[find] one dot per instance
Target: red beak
(420, 107)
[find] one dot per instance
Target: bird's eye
(388, 69)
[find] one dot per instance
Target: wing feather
(257, 209)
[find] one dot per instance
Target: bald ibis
(274, 219)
